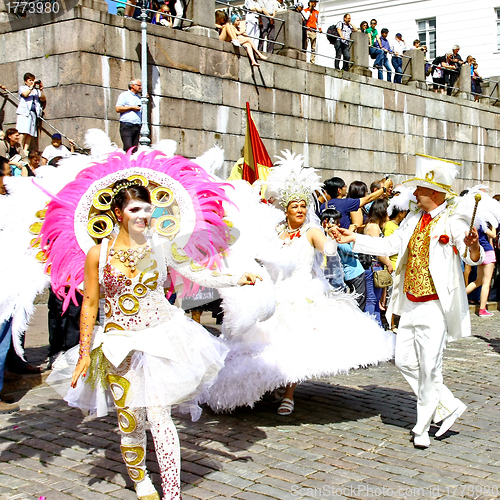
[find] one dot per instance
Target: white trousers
(420, 345)
(252, 30)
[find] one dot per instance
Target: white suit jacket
(444, 266)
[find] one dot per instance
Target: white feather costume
(22, 276)
(488, 209)
(304, 333)
(403, 199)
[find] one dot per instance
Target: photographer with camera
(31, 102)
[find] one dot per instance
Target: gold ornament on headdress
(125, 184)
(102, 199)
(295, 189)
(290, 181)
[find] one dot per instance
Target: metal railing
(381, 70)
(495, 87)
(408, 60)
(393, 71)
(175, 18)
(405, 76)
(318, 32)
(442, 86)
(384, 71)
(16, 99)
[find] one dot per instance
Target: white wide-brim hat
(434, 173)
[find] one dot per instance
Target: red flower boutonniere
(444, 239)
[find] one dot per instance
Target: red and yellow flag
(257, 163)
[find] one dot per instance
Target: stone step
(490, 306)
(24, 384)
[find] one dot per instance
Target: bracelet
(84, 351)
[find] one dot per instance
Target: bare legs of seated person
(230, 34)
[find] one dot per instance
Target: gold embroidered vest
(418, 279)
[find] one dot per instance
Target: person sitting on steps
(235, 33)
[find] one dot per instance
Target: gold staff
(477, 197)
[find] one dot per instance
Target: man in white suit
(429, 292)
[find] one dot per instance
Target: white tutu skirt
(168, 364)
(310, 336)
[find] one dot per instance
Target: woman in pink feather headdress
(147, 355)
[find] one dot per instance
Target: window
(498, 29)
(427, 35)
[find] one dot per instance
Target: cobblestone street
(348, 438)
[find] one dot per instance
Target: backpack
(332, 34)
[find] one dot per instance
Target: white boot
(422, 440)
(145, 489)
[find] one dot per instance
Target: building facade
(439, 24)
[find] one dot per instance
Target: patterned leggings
(133, 438)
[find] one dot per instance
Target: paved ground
(349, 438)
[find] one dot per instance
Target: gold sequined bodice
(134, 303)
(418, 279)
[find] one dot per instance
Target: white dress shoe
(422, 440)
(450, 419)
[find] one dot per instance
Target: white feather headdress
(290, 180)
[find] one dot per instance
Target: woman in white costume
(314, 332)
(147, 355)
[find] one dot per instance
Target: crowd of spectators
(366, 211)
(17, 156)
(22, 164)
(168, 13)
(446, 69)
(386, 51)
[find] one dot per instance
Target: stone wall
(345, 124)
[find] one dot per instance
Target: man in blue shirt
(385, 45)
(129, 107)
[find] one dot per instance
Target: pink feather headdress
(208, 233)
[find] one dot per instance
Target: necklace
(294, 233)
(131, 256)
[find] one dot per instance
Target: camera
(37, 84)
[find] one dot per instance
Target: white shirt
(399, 46)
(269, 5)
(251, 17)
(51, 152)
(280, 7)
(30, 103)
(441, 208)
(128, 98)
